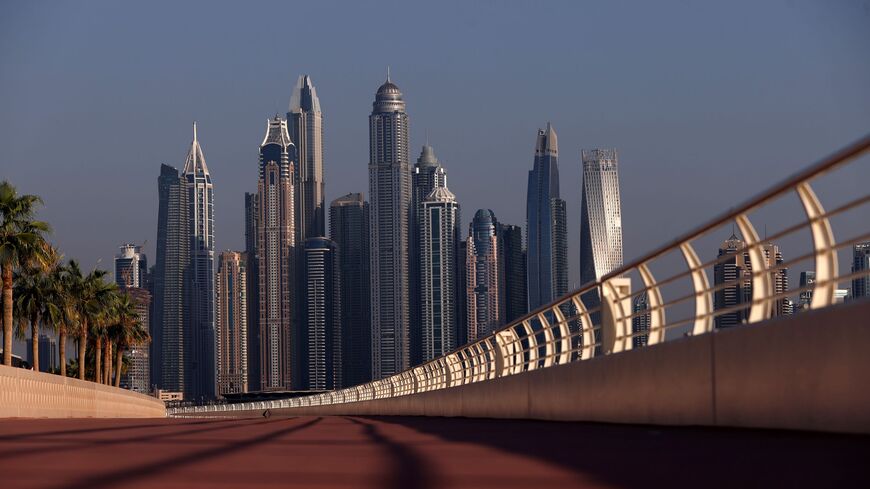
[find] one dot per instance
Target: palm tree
(35, 300)
(126, 332)
(90, 294)
(66, 317)
(21, 244)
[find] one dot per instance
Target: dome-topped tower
(388, 98)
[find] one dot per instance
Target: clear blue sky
(707, 102)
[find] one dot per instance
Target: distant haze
(707, 104)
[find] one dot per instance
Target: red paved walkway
(412, 453)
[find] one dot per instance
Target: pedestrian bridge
(657, 342)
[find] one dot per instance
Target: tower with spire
(199, 360)
(390, 191)
(546, 233)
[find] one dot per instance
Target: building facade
(276, 256)
(200, 356)
(512, 272)
(861, 262)
(482, 287)
(349, 229)
(439, 240)
(426, 176)
(305, 125)
(641, 321)
(170, 274)
(252, 275)
(546, 231)
(131, 266)
(231, 319)
(390, 192)
(600, 215)
(323, 314)
(138, 375)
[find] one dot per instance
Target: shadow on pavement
(410, 470)
(633, 456)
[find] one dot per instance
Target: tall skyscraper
(131, 267)
(642, 321)
(323, 314)
(427, 175)
(390, 191)
(482, 276)
(200, 358)
(138, 378)
(861, 261)
(349, 229)
(252, 277)
(276, 256)
(600, 215)
(48, 358)
(512, 272)
(439, 246)
(546, 230)
(807, 279)
(231, 320)
(305, 125)
(170, 274)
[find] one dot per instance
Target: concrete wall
(28, 394)
(806, 372)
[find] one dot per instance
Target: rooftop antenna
(388, 73)
(194, 130)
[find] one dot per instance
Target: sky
(708, 103)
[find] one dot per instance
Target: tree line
(41, 292)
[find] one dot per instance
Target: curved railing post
(615, 322)
(654, 301)
(762, 287)
(825, 288)
(703, 296)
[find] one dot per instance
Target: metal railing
(597, 319)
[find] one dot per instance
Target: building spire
(388, 73)
(194, 131)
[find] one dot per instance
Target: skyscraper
(231, 314)
(131, 267)
(734, 276)
(861, 261)
(173, 259)
(427, 175)
(512, 272)
(252, 277)
(275, 254)
(390, 191)
(600, 215)
(546, 232)
(484, 297)
(138, 378)
(642, 321)
(200, 357)
(349, 229)
(322, 314)
(305, 126)
(439, 245)
(807, 279)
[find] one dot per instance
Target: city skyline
(646, 113)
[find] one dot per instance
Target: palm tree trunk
(83, 345)
(34, 341)
(118, 360)
(98, 357)
(61, 350)
(7, 315)
(107, 367)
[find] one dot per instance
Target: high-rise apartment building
(734, 274)
(546, 230)
(170, 274)
(305, 126)
(483, 295)
(641, 321)
(390, 192)
(805, 298)
(252, 276)
(426, 175)
(512, 272)
(138, 375)
(860, 262)
(231, 323)
(200, 355)
(323, 314)
(276, 256)
(600, 215)
(439, 239)
(349, 229)
(131, 267)
(47, 349)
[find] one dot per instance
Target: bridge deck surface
(396, 452)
